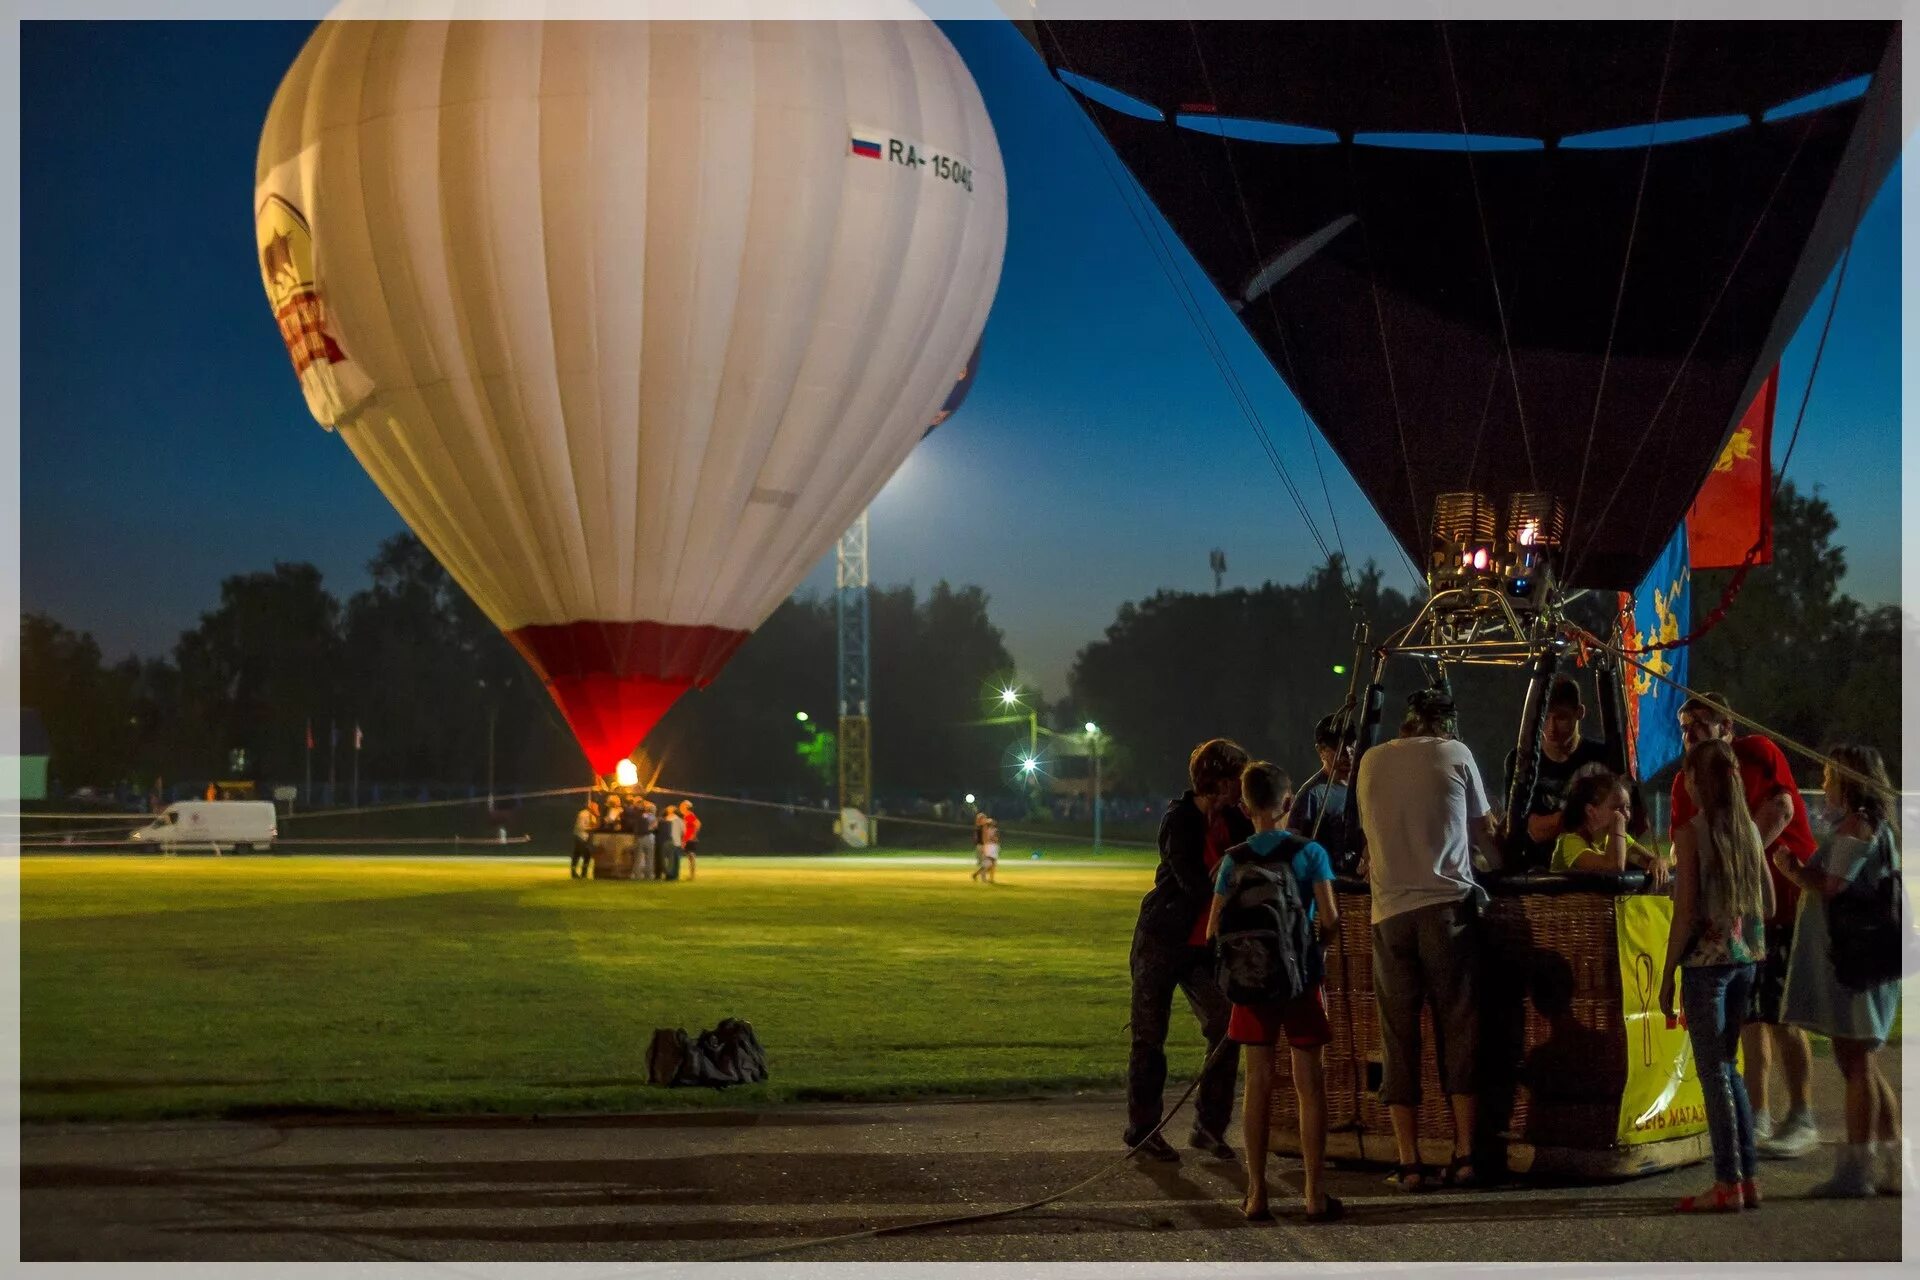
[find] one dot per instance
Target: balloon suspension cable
(1686, 360)
(1718, 613)
(1620, 291)
(1800, 748)
(1165, 258)
(1280, 330)
(1486, 244)
(989, 1215)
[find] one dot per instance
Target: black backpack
(1264, 934)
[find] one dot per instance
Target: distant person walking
(1424, 809)
(693, 834)
(1857, 858)
(980, 824)
(1722, 895)
(1170, 952)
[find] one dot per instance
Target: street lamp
(1093, 749)
(801, 716)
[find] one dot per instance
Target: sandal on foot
(1402, 1172)
(1460, 1172)
(1263, 1214)
(1718, 1200)
(1336, 1209)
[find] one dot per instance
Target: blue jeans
(1715, 999)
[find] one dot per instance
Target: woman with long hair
(1722, 894)
(1861, 849)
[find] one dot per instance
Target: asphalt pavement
(709, 1185)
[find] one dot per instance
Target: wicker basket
(1552, 1056)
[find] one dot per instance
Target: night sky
(165, 444)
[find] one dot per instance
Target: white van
(240, 825)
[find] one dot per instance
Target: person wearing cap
(1423, 810)
(1563, 753)
(1319, 810)
(1774, 800)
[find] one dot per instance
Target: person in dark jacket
(1170, 951)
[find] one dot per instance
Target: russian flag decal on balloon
(862, 147)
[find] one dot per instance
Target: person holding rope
(1773, 798)
(1170, 951)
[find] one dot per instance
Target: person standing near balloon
(1722, 893)
(1774, 801)
(693, 835)
(583, 824)
(1170, 953)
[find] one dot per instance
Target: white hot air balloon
(629, 320)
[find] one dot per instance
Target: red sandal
(1720, 1200)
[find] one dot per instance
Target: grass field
(229, 986)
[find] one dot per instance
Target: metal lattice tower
(850, 606)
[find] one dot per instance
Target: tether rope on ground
(988, 1215)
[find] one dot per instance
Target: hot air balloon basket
(1578, 1073)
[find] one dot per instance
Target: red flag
(309, 735)
(1733, 509)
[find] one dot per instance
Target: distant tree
(1797, 653)
(257, 668)
(88, 709)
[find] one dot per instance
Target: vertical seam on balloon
(750, 616)
(673, 548)
(421, 496)
(572, 504)
(875, 315)
(547, 527)
(506, 489)
(881, 469)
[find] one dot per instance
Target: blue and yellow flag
(1660, 610)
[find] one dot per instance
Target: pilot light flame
(1528, 532)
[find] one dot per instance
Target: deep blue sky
(165, 444)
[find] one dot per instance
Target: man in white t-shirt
(1423, 811)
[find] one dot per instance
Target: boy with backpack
(1272, 969)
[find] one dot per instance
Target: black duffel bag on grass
(729, 1054)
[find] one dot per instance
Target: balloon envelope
(1659, 204)
(629, 320)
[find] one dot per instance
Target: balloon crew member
(692, 820)
(1563, 753)
(583, 824)
(1170, 952)
(1319, 811)
(1773, 799)
(676, 833)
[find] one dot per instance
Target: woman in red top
(1774, 800)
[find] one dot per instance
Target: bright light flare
(1009, 697)
(1092, 727)
(626, 774)
(801, 716)
(1028, 764)
(969, 797)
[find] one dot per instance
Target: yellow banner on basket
(1662, 1098)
